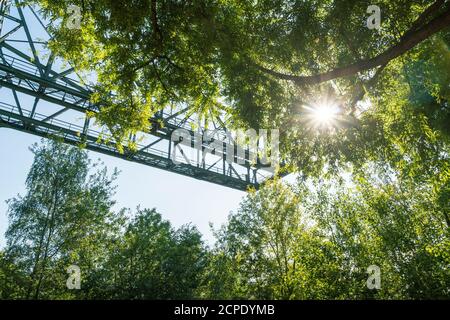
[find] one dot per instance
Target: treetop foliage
(261, 62)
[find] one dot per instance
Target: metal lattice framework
(42, 95)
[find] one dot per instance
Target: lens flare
(322, 115)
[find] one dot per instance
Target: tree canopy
(66, 219)
(314, 239)
(262, 62)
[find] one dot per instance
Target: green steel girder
(55, 91)
(72, 136)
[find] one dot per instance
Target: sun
(322, 115)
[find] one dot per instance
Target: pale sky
(177, 198)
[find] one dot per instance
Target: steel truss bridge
(42, 95)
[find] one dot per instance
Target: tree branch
(410, 39)
(158, 76)
(152, 61)
(424, 16)
(364, 87)
(157, 34)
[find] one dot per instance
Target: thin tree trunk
(47, 244)
(38, 256)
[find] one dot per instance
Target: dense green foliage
(231, 56)
(317, 241)
(314, 240)
(66, 218)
